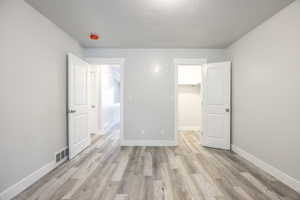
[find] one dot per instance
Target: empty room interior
(150, 100)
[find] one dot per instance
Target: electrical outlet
(162, 132)
(143, 132)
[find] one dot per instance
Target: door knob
(93, 106)
(227, 110)
(72, 111)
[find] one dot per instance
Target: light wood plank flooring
(105, 171)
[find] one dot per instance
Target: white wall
(149, 88)
(266, 91)
(33, 90)
(189, 74)
(189, 107)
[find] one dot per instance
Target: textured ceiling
(158, 23)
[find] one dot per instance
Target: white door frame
(177, 62)
(114, 61)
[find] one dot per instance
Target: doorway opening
(202, 101)
(104, 96)
(95, 101)
(189, 98)
(106, 100)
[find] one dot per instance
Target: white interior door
(216, 105)
(93, 100)
(78, 105)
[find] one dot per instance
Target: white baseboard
(189, 128)
(26, 182)
(152, 143)
(283, 177)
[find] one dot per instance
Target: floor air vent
(59, 156)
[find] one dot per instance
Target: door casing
(177, 62)
(120, 62)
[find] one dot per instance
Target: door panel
(93, 100)
(215, 86)
(215, 125)
(216, 105)
(80, 87)
(80, 122)
(78, 106)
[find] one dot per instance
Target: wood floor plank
(195, 194)
(158, 190)
(208, 190)
(244, 195)
(106, 171)
(272, 195)
(79, 183)
(121, 197)
(103, 182)
(148, 171)
(117, 176)
(169, 190)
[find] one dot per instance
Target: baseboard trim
(283, 177)
(26, 182)
(189, 128)
(151, 143)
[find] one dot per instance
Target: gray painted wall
(266, 91)
(148, 98)
(33, 90)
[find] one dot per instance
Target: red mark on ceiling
(94, 36)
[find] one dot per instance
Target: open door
(78, 105)
(216, 105)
